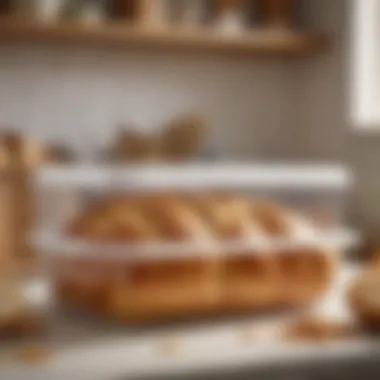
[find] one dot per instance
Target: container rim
(282, 176)
(57, 245)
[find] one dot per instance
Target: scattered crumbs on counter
(319, 330)
(23, 325)
(34, 355)
(169, 346)
(248, 335)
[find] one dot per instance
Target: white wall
(321, 116)
(79, 95)
(321, 92)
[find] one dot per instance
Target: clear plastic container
(186, 272)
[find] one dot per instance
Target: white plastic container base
(54, 245)
(91, 351)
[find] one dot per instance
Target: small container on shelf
(184, 138)
(278, 13)
(41, 10)
(123, 9)
(93, 12)
(181, 140)
(231, 17)
(131, 146)
(85, 11)
(153, 14)
(187, 13)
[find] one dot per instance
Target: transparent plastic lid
(56, 245)
(280, 176)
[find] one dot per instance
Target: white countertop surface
(92, 349)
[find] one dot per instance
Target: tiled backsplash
(80, 95)
(257, 108)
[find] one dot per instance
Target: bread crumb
(169, 346)
(247, 335)
(318, 330)
(22, 325)
(33, 355)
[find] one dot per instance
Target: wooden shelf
(260, 41)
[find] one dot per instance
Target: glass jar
(42, 10)
(278, 13)
(152, 14)
(187, 12)
(230, 19)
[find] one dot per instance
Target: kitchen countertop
(213, 349)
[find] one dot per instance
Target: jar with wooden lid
(187, 13)
(230, 17)
(152, 14)
(278, 13)
(125, 10)
(42, 10)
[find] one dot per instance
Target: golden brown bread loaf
(215, 277)
(248, 279)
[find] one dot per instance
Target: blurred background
(223, 154)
